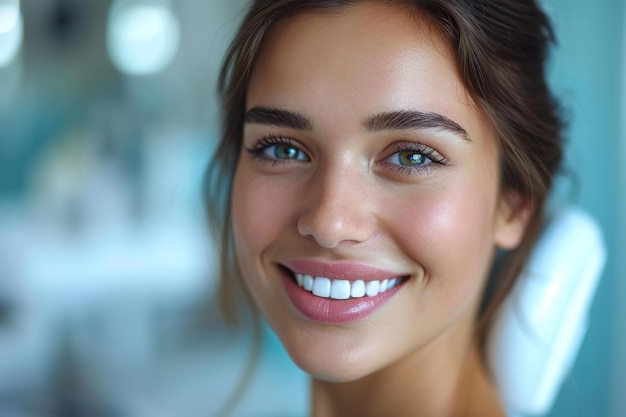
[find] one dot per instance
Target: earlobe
(512, 218)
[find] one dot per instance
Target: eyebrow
(278, 117)
(393, 120)
(414, 119)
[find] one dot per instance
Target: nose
(337, 209)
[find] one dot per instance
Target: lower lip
(331, 311)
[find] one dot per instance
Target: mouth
(344, 289)
(342, 299)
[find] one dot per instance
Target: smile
(343, 289)
(340, 292)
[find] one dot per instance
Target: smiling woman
(381, 154)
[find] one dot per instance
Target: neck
(444, 379)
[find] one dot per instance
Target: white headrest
(542, 323)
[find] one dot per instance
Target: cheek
(256, 211)
(249, 234)
(261, 213)
(449, 233)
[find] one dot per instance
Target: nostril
(329, 233)
(333, 210)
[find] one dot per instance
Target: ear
(512, 218)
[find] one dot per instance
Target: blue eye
(278, 149)
(285, 151)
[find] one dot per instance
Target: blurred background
(107, 274)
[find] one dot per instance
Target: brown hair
(501, 50)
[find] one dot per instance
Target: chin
(334, 364)
(334, 373)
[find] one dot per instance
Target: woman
(376, 157)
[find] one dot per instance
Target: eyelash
(434, 158)
(259, 148)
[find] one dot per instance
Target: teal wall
(587, 74)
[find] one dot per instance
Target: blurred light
(142, 37)
(11, 30)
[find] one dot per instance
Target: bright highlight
(142, 37)
(11, 31)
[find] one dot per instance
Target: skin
(346, 196)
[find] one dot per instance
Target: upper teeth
(342, 289)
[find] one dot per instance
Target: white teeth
(321, 287)
(342, 289)
(358, 289)
(371, 288)
(308, 282)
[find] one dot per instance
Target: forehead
(361, 59)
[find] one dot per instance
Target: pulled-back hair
(501, 48)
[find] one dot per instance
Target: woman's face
(365, 162)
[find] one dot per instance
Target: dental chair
(539, 328)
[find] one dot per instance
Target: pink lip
(340, 270)
(331, 311)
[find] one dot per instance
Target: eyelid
(418, 147)
(436, 159)
(261, 145)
